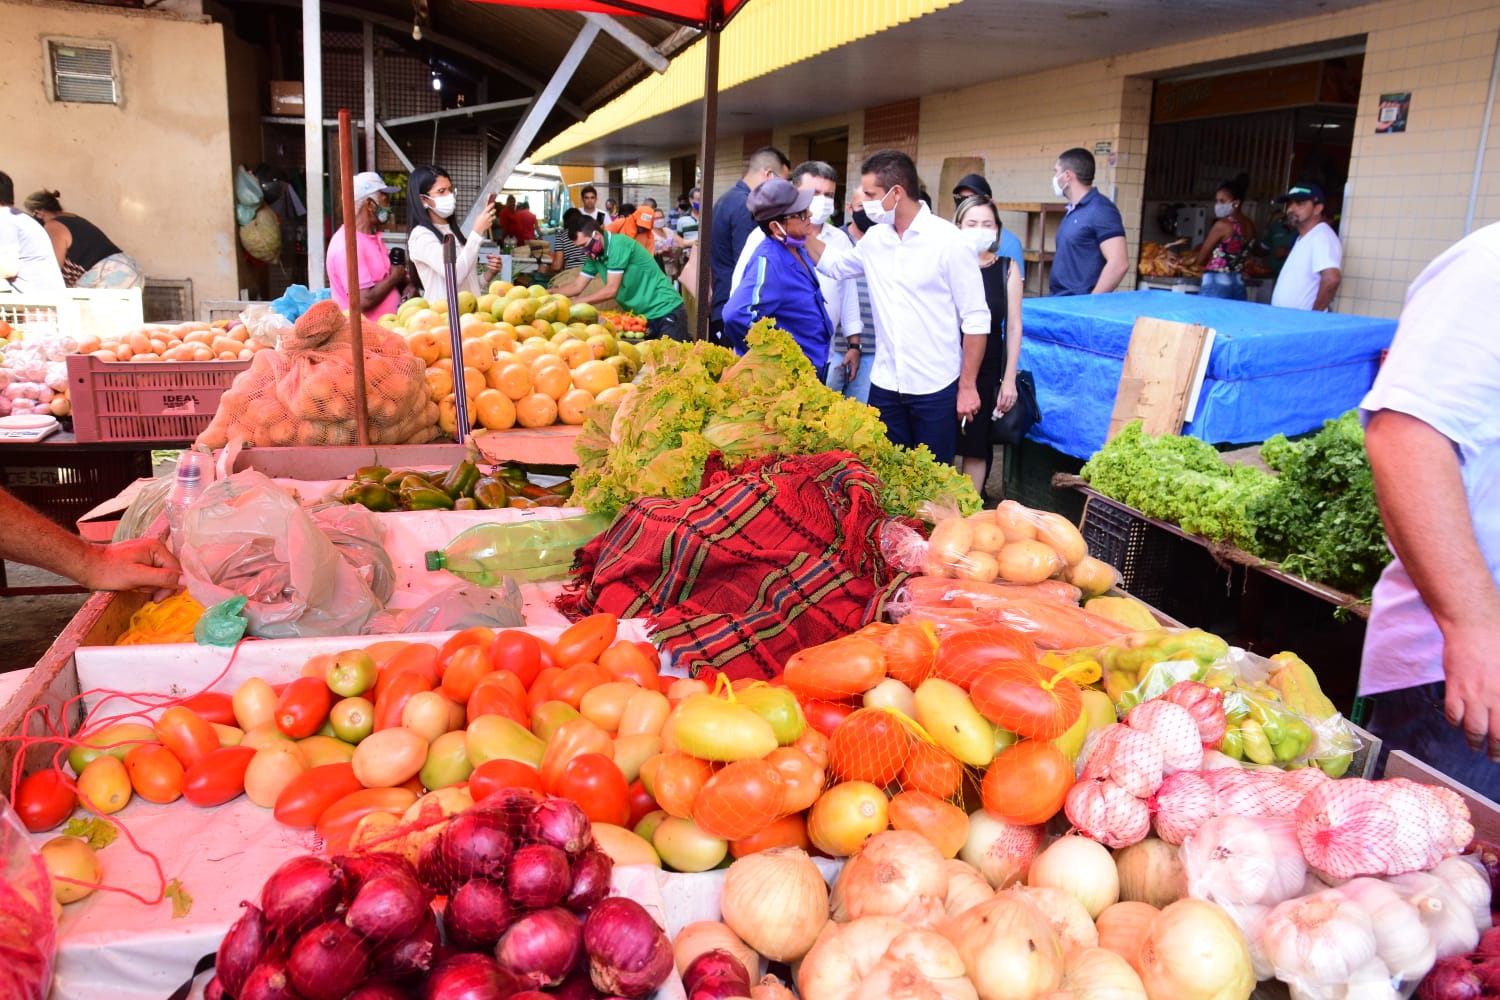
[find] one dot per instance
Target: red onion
(515, 804)
(300, 894)
(478, 913)
(377, 989)
(628, 953)
(388, 907)
(1489, 944)
(533, 995)
(213, 990)
(475, 845)
(718, 988)
(591, 874)
(360, 868)
(240, 950)
(470, 977)
(542, 947)
(432, 871)
(578, 985)
(328, 961)
(561, 823)
(267, 981)
(715, 964)
(537, 876)
(413, 955)
(1452, 978)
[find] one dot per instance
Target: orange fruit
(495, 410)
(536, 410)
(554, 380)
(514, 380)
(572, 405)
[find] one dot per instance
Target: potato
(951, 538)
(1028, 561)
(1016, 521)
(988, 537)
(1060, 533)
(981, 566)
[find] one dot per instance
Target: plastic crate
(161, 401)
(210, 310)
(1120, 537)
(74, 312)
(64, 483)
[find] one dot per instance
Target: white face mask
(878, 213)
(979, 238)
(1223, 209)
(1057, 185)
(444, 204)
(821, 209)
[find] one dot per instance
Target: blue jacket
(777, 285)
(731, 225)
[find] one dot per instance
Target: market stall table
(1272, 370)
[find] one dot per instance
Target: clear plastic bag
(461, 606)
(28, 930)
(1143, 665)
(246, 536)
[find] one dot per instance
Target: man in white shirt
(927, 296)
(590, 207)
(27, 260)
(840, 295)
(1310, 278)
(1433, 435)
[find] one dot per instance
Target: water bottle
(528, 549)
(186, 489)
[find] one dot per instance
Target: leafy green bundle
(693, 399)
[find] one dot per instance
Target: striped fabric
(780, 555)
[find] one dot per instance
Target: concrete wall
(154, 171)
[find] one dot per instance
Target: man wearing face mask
(631, 277)
(779, 281)
(849, 367)
(1091, 258)
(380, 283)
(732, 225)
(840, 297)
(928, 299)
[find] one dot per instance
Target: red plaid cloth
(782, 554)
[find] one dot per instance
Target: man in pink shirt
(380, 283)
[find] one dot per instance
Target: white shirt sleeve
(425, 250)
(842, 261)
(755, 239)
(968, 288)
(1327, 251)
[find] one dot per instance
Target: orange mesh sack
(302, 393)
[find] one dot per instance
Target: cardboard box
(99, 524)
(286, 98)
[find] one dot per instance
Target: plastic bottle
(187, 488)
(527, 549)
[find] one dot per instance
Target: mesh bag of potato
(302, 393)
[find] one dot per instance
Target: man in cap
(380, 283)
(631, 277)
(1010, 243)
(779, 281)
(1310, 277)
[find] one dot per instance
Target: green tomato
(779, 707)
(351, 673)
(352, 719)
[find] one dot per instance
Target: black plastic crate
(65, 484)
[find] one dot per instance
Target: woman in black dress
(979, 221)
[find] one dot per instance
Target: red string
(55, 731)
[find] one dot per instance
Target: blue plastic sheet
(298, 299)
(1272, 371)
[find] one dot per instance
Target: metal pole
(312, 134)
(1484, 141)
(705, 221)
(351, 251)
(369, 122)
(462, 427)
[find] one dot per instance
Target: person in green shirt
(631, 277)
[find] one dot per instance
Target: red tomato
(338, 821)
(217, 777)
(494, 695)
(540, 689)
(312, 792)
(870, 745)
(578, 680)
(598, 786)
(825, 716)
(802, 778)
(390, 702)
(517, 651)
(932, 770)
(624, 661)
(44, 800)
(740, 800)
(501, 772)
(649, 651)
(583, 641)
(573, 739)
(463, 670)
(1027, 783)
(478, 636)
(788, 831)
(641, 802)
(155, 773)
(303, 707)
(675, 779)
(215, 706)
(187, 734)
(417, 656)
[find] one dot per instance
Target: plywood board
(1162, 369)
(1483, 812)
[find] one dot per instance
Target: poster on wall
(1393, 112)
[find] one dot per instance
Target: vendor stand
(1271, 370)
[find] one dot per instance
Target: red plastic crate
(160, 401)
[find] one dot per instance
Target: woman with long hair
(431, 209)
(1222, 255)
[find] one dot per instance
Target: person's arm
(140, 564)
(611, 287)
(743, 261)
(1216, 234)
(371, 297)
(1419, 488)
(1013, 292)
(836, 261)
(745, 303)
(1116, 262)
(61, 238)
(1328, 287)
(424, 256)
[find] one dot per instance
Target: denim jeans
(1222, 285)
(858, 389)
(1412, 719)
(912, 419)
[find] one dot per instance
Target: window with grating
(893, 126)
(83, 74)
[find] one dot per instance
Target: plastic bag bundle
(302, 393)
(28, 932)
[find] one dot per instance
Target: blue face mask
(697, 206)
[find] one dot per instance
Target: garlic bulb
(1469, 884)
(1174, 728)
(1318, 940)
(1402, 942)
(1251, 918)
(1445, 914)
(1232, 859)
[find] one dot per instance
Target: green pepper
(425, 497)
(1296, 738)
(1232, 745)
(1257, 747)
(372, 473)
(460, 479)
(564, 489)
(465, 503)
(1336, 765)
(373, 496)
(1273, 722)
(491, 493)
(397, 476)
(513, 474)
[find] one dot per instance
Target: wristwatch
(853, 341)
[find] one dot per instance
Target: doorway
(832, 148)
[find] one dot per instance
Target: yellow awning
(764, 37)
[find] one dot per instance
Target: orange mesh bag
(302, 393)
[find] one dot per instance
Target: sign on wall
(1393, 111)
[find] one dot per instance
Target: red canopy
(704, 14)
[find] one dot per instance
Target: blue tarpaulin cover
(1272, 371)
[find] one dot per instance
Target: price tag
(31, 477)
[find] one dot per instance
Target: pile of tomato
(625, 322)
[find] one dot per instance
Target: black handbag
(1012, 426)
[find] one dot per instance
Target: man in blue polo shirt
(732, 226)
(1091, 257)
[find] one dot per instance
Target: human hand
(139, 564)
(1473, 689)
(851, 364)
(968, 402)
(1008, 394)
(397, 276)
(486, 221)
